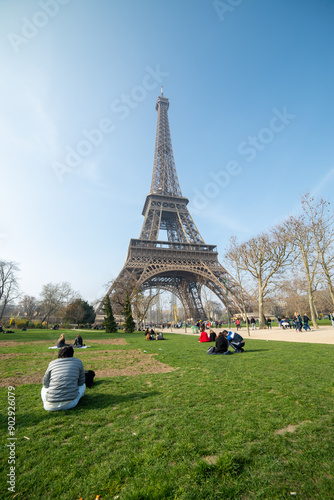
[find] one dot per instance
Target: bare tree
(321, 222)
(118, 291)
(234, 259)
(29, 305)
(298, 232)
(291, 294)
(323, 301)
(265, 257)
(54, 297)
(207, 302)
(141, 303)
(9, 288)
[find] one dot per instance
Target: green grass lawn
(255, 425)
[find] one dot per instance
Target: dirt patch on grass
(16, 381)
(106, 341)
(211, 460)
(104, 363)
(9, 355)
(291, 428)
(126, 363)
(12, 343)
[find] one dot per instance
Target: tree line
(58, 302)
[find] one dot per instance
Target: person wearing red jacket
(204, 337)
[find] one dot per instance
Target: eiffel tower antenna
(181, 262)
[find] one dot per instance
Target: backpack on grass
(89, 377)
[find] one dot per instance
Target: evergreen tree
(109, 322)
(129, 323)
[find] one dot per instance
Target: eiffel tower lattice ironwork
(183, 263)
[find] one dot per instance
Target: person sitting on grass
(159, 336)
(149, 337)
(213, 335)
(221, 346)
(63, 381)
(235, 341)
(61, 341)
(204, 337)
(78, 342)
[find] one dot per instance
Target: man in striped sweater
(63, 382)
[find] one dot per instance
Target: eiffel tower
(184, 263)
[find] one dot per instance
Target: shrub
(22, 323)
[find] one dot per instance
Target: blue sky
(250, 84)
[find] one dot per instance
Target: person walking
(306, 319)
(253, 323)
(269, 323)
(297, 321)
(237, 323)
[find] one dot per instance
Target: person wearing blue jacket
(235, 341)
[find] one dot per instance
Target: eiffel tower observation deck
(183, 262)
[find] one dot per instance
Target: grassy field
(165, 420)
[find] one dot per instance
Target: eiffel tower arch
(184, 262)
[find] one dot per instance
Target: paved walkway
(325, 334)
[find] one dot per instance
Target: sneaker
(242, 350)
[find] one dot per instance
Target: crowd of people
(296, 322)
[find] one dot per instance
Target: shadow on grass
(102, 400)
(90, 401)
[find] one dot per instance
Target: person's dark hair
(66, 352)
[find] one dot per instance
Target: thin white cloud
(324, 182)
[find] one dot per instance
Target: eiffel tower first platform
(184, 263)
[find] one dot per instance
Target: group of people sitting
(207, 337)
(151, 335)
(78, 342)
(222, 341)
